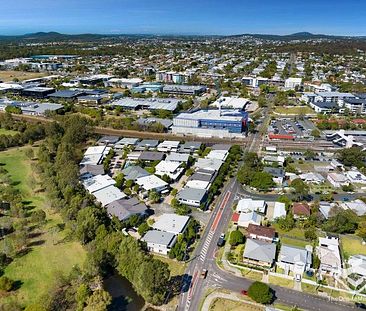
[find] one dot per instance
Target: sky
(225, 17)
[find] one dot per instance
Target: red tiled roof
(358, 121)
(235, 217)
(279, 136)
(301, 209)
(261, 231)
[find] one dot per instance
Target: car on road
(204, 273)
(221, 240)
(244, 292)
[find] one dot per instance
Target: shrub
(260, 292)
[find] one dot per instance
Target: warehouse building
(184, 89)
(211, 123)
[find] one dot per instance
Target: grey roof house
(159, 241)
(134, 172)
(192, 197)
(151, 156)
(90, 170)
(147, 144)
(125, 208)
(259, 253)
(295, 259)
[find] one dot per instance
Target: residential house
(146, 144)
(337, 180)
(172, 169)
(190, 147)
(151, 156)
(278, 174)
(125, 208)
(108, 194)
(357, 270)
(261, 233)
(152, 182)
(159, 242)
(177, 157)
(245, 219)
(171, 223)
(249, 205)
(259, 253)
(108, 141)
(168, 146)
(89, 170)
(355, 176)
(314, 178)
(279, 210)
(134, 172)
(192, 197)
(329, 255)
(208, 164)
(301, 210)
(358, 206)
(294, 259)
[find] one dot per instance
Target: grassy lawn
(220, 304)
(176, 267)
(352, 245)
(251, 274)
(294, 242)
(281, 281)
(7, 132)
(9, 75)
(298, 110)
(50, 256)
(296, 232)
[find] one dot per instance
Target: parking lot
(287, 126)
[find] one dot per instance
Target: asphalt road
(194, 287)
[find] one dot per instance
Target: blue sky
(343, 17)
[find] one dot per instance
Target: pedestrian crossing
(206, 245)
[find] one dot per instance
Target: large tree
(260, 292)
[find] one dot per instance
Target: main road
(194, 287)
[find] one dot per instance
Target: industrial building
(184, 89)
(169, 104)
(211, 123)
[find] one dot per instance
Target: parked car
(221, 240)
(244, 292)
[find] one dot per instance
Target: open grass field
(50, 256)
(10, 75)
(296, 110)
(176, 268)
(7, 132)
(220, 304)
(352, 245)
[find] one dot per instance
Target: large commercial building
(211, 123)
(184, 89)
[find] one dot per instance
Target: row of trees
(108, 249)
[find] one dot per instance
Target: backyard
(352, 245)
(50, 256)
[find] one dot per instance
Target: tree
(143, 228)
(353, 156)
(38, 216)
(236, 237)
(81, 296)
(309, 154)
(316, 261)
(301, 189)
(260, 292)
(154, 196)
(99, 301)
(262, 181)
(310, 234)
(87, 222)
(345, 221)
(286, 223)
(286, 200)
(6, 284)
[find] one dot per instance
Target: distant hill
(296, 36)
(56, 36)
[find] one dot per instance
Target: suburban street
(194, 287)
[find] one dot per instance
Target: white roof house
(151, 182)
(198, 184)
(357, 264)
(337, 180)
(208, 164)
(159, 241)
(172, 223)
(218, 154)
(169, 168)
(249, 218)
(311, 177)
(279, 210)
(98, 182)
(329, 255)
(168, 145)
(249, 205)
(108, 195)
(94, 155)
(358, 206)
(356, 176)
(97, 150)
(177, 157)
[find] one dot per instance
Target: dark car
(221, 240)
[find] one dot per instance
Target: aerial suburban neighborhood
(191, 167)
